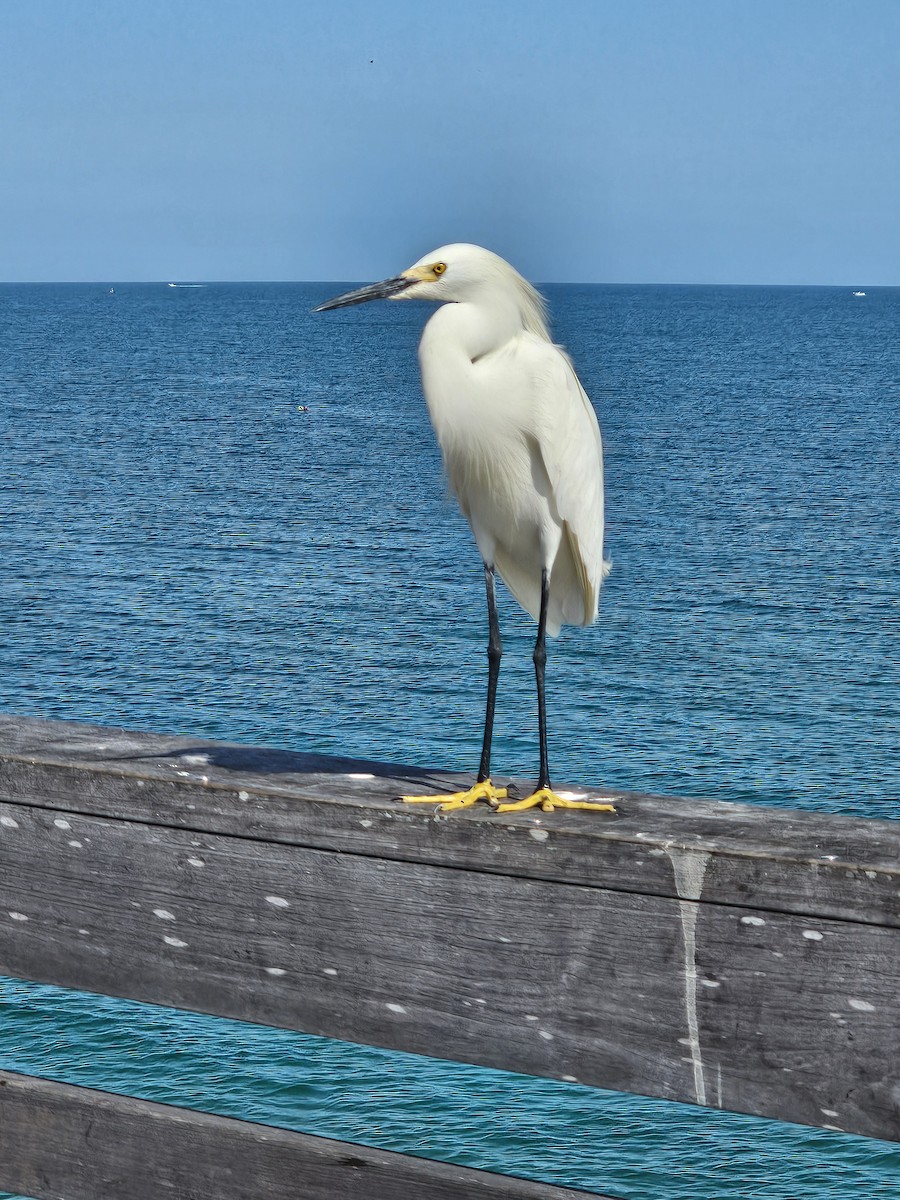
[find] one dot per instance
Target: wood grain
(57, 1140)
(813, 863)
(724, 968)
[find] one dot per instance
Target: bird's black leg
(483, 789)
(540, 663)
(543, 796)
(495, 651)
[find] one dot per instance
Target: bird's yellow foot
(546, 799)
(479, 791)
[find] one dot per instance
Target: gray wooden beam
(680, 950)
(791, 861)
(57, 1140)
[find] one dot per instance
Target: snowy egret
(522, 451)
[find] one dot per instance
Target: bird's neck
(472, 329)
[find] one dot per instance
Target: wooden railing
(741, 957)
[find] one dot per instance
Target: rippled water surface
(184, 549)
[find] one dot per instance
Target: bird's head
(455, 273)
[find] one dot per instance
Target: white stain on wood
(689, 867)
(861, 1005)
(9, 822)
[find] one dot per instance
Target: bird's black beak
(375, 291)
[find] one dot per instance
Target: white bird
(522, 452)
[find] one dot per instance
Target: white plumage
(519, 437)
(521, 448)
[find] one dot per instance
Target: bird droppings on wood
(305, 837)
(176, 942)
(278, 901)
(813, 935)
(752, 921)
(689, 868)
(164, 914)
(395, 1008)
(861, 1005)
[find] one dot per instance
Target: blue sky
(732, 141)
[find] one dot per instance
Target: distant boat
(112, 291)
(859, 293)
(188, 285)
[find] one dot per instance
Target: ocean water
(185, 549)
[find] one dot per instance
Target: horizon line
(340, 282)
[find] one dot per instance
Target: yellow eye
(439, 268)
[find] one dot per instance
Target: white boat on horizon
(859, 293)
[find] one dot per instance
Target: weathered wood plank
(57, 1140)
(806, 863)
(753, 1010)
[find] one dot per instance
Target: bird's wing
(567, 434)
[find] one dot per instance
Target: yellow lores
(522, 452)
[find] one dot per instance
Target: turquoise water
(186, 550)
